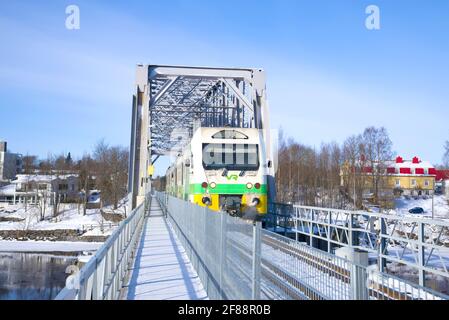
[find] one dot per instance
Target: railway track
(276, 281)
(375, 291)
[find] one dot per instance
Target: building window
(426, 183)
(413, 182)
(398, 182)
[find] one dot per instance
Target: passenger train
(223, 169)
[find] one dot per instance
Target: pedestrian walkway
(162, 270)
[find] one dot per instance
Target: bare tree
(86, 168)
(60, 168)
(377, 151)
(44, 195)
(43, 202)
(308, 176)
(29, 164)
(111, 172)
(354, 162)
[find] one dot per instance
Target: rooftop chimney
(3, 146)
(415, 160)
(399, 160)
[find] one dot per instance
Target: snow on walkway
(162, 269)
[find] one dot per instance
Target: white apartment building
(10, 164)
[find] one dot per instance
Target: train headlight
(207, 201)
(249, 185)
(256, 201)
(257, 186)
(213, 185)
(204, 185)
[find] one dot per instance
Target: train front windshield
(244, 157)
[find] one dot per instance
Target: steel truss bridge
(171, 101)
(235, 259)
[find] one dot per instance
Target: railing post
(356, 262)
(296, 223)
(223, 260)
(350, 231)
(359, 275)
(329, 232)
(257, 230)
(312, 217)
(382, 245)
(285, 224)
(166, 204)
(421, 254)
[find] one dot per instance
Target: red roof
(442, 175)
(368, 170)
(419, 171)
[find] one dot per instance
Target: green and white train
(223, 169)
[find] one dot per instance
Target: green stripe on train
(227, 189)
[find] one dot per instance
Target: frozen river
(31, 276)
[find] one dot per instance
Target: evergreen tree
(68, 159)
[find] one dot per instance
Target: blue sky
(328, 76)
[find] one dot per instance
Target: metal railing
(213, 244)
(420, 245)
(103, 276)
(278, 218)
(383, 286)
(83, 228)
(236, 259)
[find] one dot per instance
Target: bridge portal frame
(181, 97)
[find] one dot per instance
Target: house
(7, 193)
(32, 187)
(411, 177)
(10, 164)
(397, 177)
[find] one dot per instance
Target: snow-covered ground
(70, 218)
(440, 205)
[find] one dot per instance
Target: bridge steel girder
(181, 97)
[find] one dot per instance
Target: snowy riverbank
(48, 246)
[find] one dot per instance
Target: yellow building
(413, 177)
(402, 177)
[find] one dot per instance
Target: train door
(187, 170)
